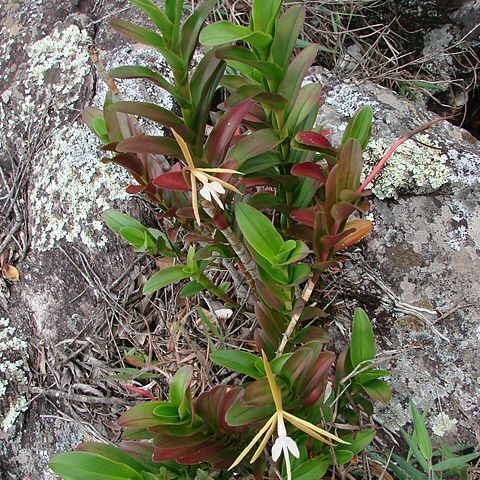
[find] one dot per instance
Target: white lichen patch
(60, 59)
(55, 76)
(347, 99)
(442, 424)
(412, 165)
(70, 190)
(13, 374)
(393, 417)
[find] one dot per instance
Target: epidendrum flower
(212, 186)
(283, 444)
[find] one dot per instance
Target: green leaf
(311, 469)
(296, 72)
(117, 220)
(296, 251)
(191, 289)
(412, 443)
(133, 236)
(257, 143)
(456, 462)
(359, 127)
(244, 55)
(264, 14)
(259, 164)
(90, 466)
(222, 32)
(299, 273)
(165, 277)
(343, 456)
(157, 114)
(118, 124)
(378, 390)
(371, 375)
(203, 85)
(258, 231)
(133, 71)
(173, 9)
(421, 434)
(115, 454)
(191, 29)
(206, 321)
(161, 21)
(93, 118)
(350, 167)
(413, 473)
(238, 361)
(147, 37)
(358, 441)
(179, 385)
(287, 30)
(362, 346)
(307, 101)
(257, 93)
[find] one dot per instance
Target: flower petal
(217, 199)
(195, 199)
(263, 443)
(184, 147)
(277, 397)
(292, 446)
(217, 187)
(205, 192)
(277, 449)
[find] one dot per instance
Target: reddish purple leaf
(148, 144)
(172, 181)
(257, 182)
(134, 189)
(342, 210)
(221, 135)
(309, 170)
(305, 215)
(300, 232)
(313, 139)
(357, 230)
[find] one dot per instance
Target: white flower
(210, 190)
(212, 186)
(284, 444)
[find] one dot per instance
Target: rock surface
(421, 263)
(46, 79)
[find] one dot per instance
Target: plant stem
(244, 258)
(307, 293)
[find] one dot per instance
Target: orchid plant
(253, 181)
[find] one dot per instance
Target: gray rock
(418, 275)
(46, 79)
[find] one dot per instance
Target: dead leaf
(380, 471)
(163, 262)
(10, 273)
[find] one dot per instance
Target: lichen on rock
(13, 374)
(71, 190)
(412, 165)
